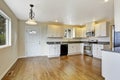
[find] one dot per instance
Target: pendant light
(31, 20)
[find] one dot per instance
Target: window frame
(8, 30)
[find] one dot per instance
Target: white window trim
(8, 30)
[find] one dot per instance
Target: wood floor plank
(78, 67)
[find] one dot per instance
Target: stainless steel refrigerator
(116, 40)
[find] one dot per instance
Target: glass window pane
(2, 30)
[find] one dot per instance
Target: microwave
(90, 34)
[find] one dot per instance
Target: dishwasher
(63, 49)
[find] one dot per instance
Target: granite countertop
(114, 50)
(70, 42)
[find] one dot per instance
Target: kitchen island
(110, 65)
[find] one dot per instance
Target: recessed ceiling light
(106, 0)
(56, 20)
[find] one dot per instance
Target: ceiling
(65, 11)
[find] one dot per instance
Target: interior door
(32, 41)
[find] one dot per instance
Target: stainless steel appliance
(90, 34)
(88, 49)
(116, 40)
(63, 49)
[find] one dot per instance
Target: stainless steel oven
(88, 49)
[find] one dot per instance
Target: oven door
(88, 50)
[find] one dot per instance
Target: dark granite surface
(110, 50)
(70, 42)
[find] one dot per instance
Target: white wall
(21, 34)
(117, 14)
(8, 55)
(43, 37)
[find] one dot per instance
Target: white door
(32, 41)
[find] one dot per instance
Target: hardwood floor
(76, 67)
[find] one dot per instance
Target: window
(5, 30)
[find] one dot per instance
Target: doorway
(32, 41)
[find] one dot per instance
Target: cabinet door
(83, 32)
(77, 32)
(77, 48)
(97, 31)
(89, 27)
(94, 50)
(73, 48)
(70, 49)
(81, 48)
(103, 29)
(100, 47)
(57, 50)
(54, 50)
(55, 31)
(59, 30)
(51, 51)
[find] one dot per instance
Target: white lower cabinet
(54, 50)
(81, 48)
(96, 50)
(73, 48)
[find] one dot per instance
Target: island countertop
(110, 50)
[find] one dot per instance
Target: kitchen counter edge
(71, 42)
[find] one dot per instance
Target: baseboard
(22, 57)
(3, 74)
(30, 56)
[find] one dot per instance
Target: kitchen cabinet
(54, 50)
(102, 29)
(55, 31)
(81, 48)
(96, 50)
(83, 31)
(80, 32)
(89, 27)
(97, 31)
(77, 32)
(73, 49)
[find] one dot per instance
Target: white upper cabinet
(89, 27)
(97, 31)
(55, 31)
(83, 32)
(102, 29)
(77, 32)
(117, 14)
